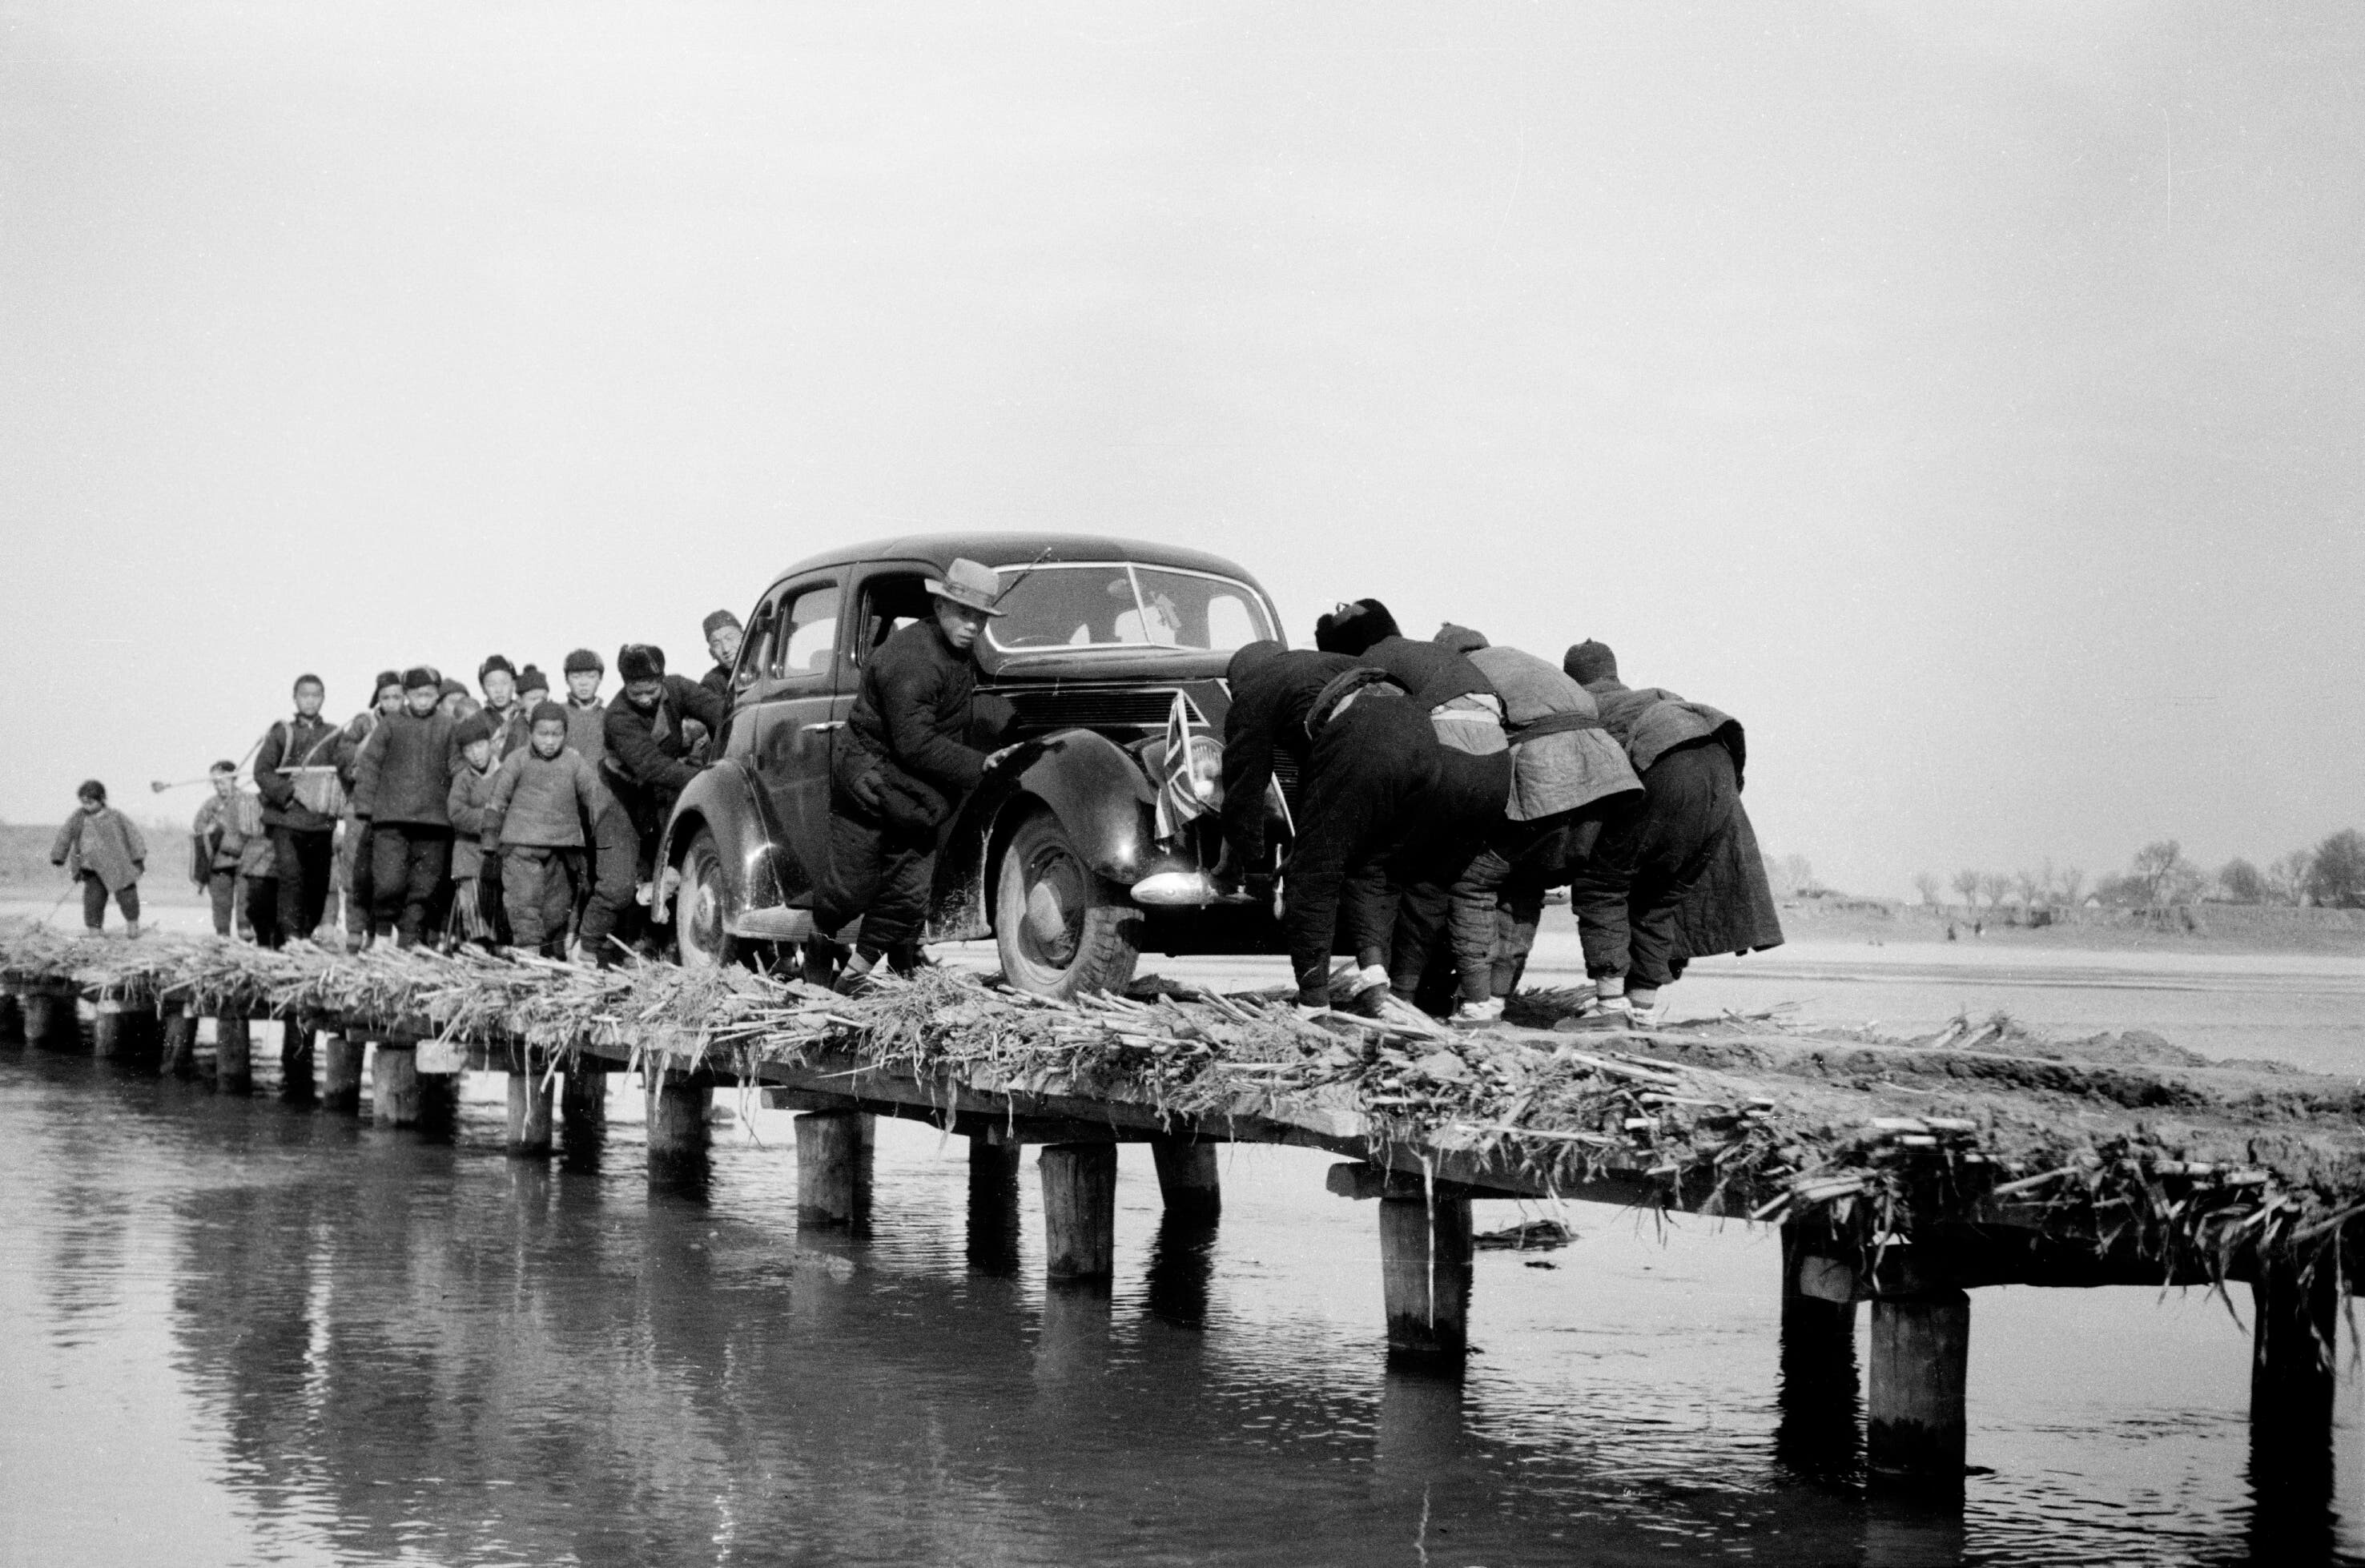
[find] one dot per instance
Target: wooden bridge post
(1818, 1382)
(531, 1093)
(394, 1084)
(112, 1022)
(1187, 1177)
(298, 1059)
(1079, 1210)
(583, 1099)
(180, 1057)
(233, 1055)
(1425, 1269)
(50, 1018)
(993, 1206)
(341, 1069)
(677, 1106)
(439, 1099)
(1920, 1357)
(834, 1153)
(12, 1012)
(2293, 1338)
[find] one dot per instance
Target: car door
(796, 722)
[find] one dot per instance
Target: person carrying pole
(900, 773)
(296, 773)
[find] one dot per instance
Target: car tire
(1062, 930)
(700, 940)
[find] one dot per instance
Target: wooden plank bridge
(1903, 1173)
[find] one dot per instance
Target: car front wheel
(1061, 928)
(700, 907)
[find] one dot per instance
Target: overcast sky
(1965, 397)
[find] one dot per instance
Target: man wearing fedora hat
(901, 774)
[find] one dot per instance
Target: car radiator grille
(1106, 708)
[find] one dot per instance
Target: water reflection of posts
(993, 1206)
(833, 1160)
(1182, 1268)
(1817, 1434)
(2295, 1343)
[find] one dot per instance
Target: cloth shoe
(131, 931)
(1601, 1012)
(1472, 1014)
(1645, 1017)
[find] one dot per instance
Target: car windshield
(1119, 605)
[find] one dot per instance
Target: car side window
(755, 648)
(890, 602)
(805, 635)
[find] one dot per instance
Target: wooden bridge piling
(1818, 1384)
(2295, 1334)
(834, 1161)
(299, 1062)
(179, 1045)
(993, 1206)
(1079, 1210)
(12, 1014)
(530, 1097)
(1426, 1249)
(583, 1097)
(233, 1055)
(112, 1023)
(50, 1020)
(1188, 1177)
(341, 1072)
(1914, 1411)
(394, 1084)
(439, 1102)
(678, 1103)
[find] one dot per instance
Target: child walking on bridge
(101, 848)
(540, 800)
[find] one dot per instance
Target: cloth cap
(224, 766)
(968, 585)
(386, 677)
(474, 728)
(447, 686)
(639, 661)
(716, 622)
(530, 678)
(1589, 661)
(1353, 628)
(582, 659)
(548, 713)
(92, 790)
(1461, 639)
(418, 675)
(497, 661)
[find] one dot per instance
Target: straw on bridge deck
(2196, 1172)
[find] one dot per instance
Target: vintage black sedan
(1102, 844)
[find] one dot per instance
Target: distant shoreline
(2193, 928)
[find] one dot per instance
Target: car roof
(1016, 549)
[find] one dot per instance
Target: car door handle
(826, 724)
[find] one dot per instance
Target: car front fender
(1101, 795)
(725, 802)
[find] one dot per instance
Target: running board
(775, 924)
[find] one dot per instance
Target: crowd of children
(438, 815)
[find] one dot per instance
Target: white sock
(1371, 974)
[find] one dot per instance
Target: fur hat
(547, 713)
(418, 675)
(1353, 628)
(92, 790)
(1589, 661)
(447, 686)
(474, 728)
(716, 622)
(530, 678)
(496, 661)
(582, 659)
(386, 677)
(1461, 639)
(639, 661)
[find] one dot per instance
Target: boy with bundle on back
(541, 798)
(101, 848)
(232, 848)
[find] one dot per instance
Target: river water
(240, 1332)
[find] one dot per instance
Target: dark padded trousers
(1374, 767)
(409, 863)
(1499, 898)
(538, 889)
(304, 860)
(880, 872)
(1464, 813)
(262, 911)
(1630, 897)
(614, 869)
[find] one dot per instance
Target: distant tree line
(2331, 876)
